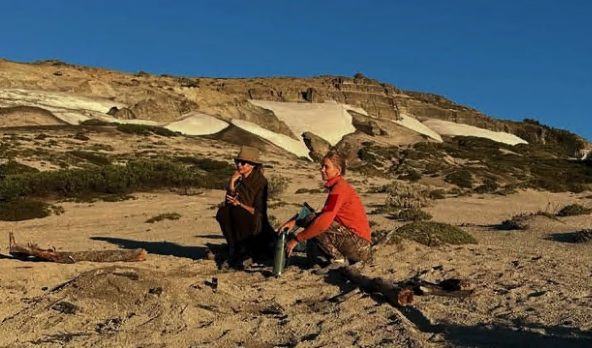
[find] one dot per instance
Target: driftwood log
(401, 294)
(33, 251)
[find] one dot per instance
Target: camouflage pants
(337, 242)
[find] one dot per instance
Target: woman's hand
(235, 176)
(288, 225)
(290, 245)
(232, 200)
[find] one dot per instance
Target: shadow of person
(159, 248)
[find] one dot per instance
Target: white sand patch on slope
(197, 123)
(417, 126)
(56, 100)
(285, 142)
(69, 108)
(453, 129)
(330, 121)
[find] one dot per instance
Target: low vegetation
(485, 166)
(428, 233)
(278, 184)
(108, 182)
(25, 209)
(165, 216)
(140, 129)
(573, 210)
(412, 215)
(405, 195)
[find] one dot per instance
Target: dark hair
(337, 160)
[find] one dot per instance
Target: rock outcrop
(317, 146)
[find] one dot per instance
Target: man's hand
(290, 245)
(288, 225)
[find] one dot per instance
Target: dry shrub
(404, 196)
(582, 236)
(517, 222)
(165, 216)
(278, 184)
(573, 210)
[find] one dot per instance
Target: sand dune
(453, 128)
(283, 141)
(330, 121)
(197, 123)
(414, 124)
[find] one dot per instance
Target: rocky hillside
(382, 129)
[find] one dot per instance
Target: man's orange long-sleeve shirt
(342, 205)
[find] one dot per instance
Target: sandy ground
(533, 286)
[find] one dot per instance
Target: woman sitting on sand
(341, 230)
(243, 218)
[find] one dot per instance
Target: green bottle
(279, 261)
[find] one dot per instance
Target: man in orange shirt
(341, 229)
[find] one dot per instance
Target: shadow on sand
(520, 334)
(160, 248)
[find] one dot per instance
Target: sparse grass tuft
(165, 216)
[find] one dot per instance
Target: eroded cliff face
(377, 99)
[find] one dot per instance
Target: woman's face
(329, 170)
(244, 168)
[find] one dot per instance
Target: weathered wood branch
(33, 251)
(394, 295)
(401, 294)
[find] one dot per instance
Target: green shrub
(433, 233)
(13, 167)
(136, 175)
(91, 157)
(24, 209)
(573, 210)
(437, 194)
(461, 178)
(141, 129)
(489, 185)
(96, 122)
(412, 215)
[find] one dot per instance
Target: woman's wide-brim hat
(248, 154)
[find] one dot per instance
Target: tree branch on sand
(401, 294)
(33, 251)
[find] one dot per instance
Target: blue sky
(509, 59)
